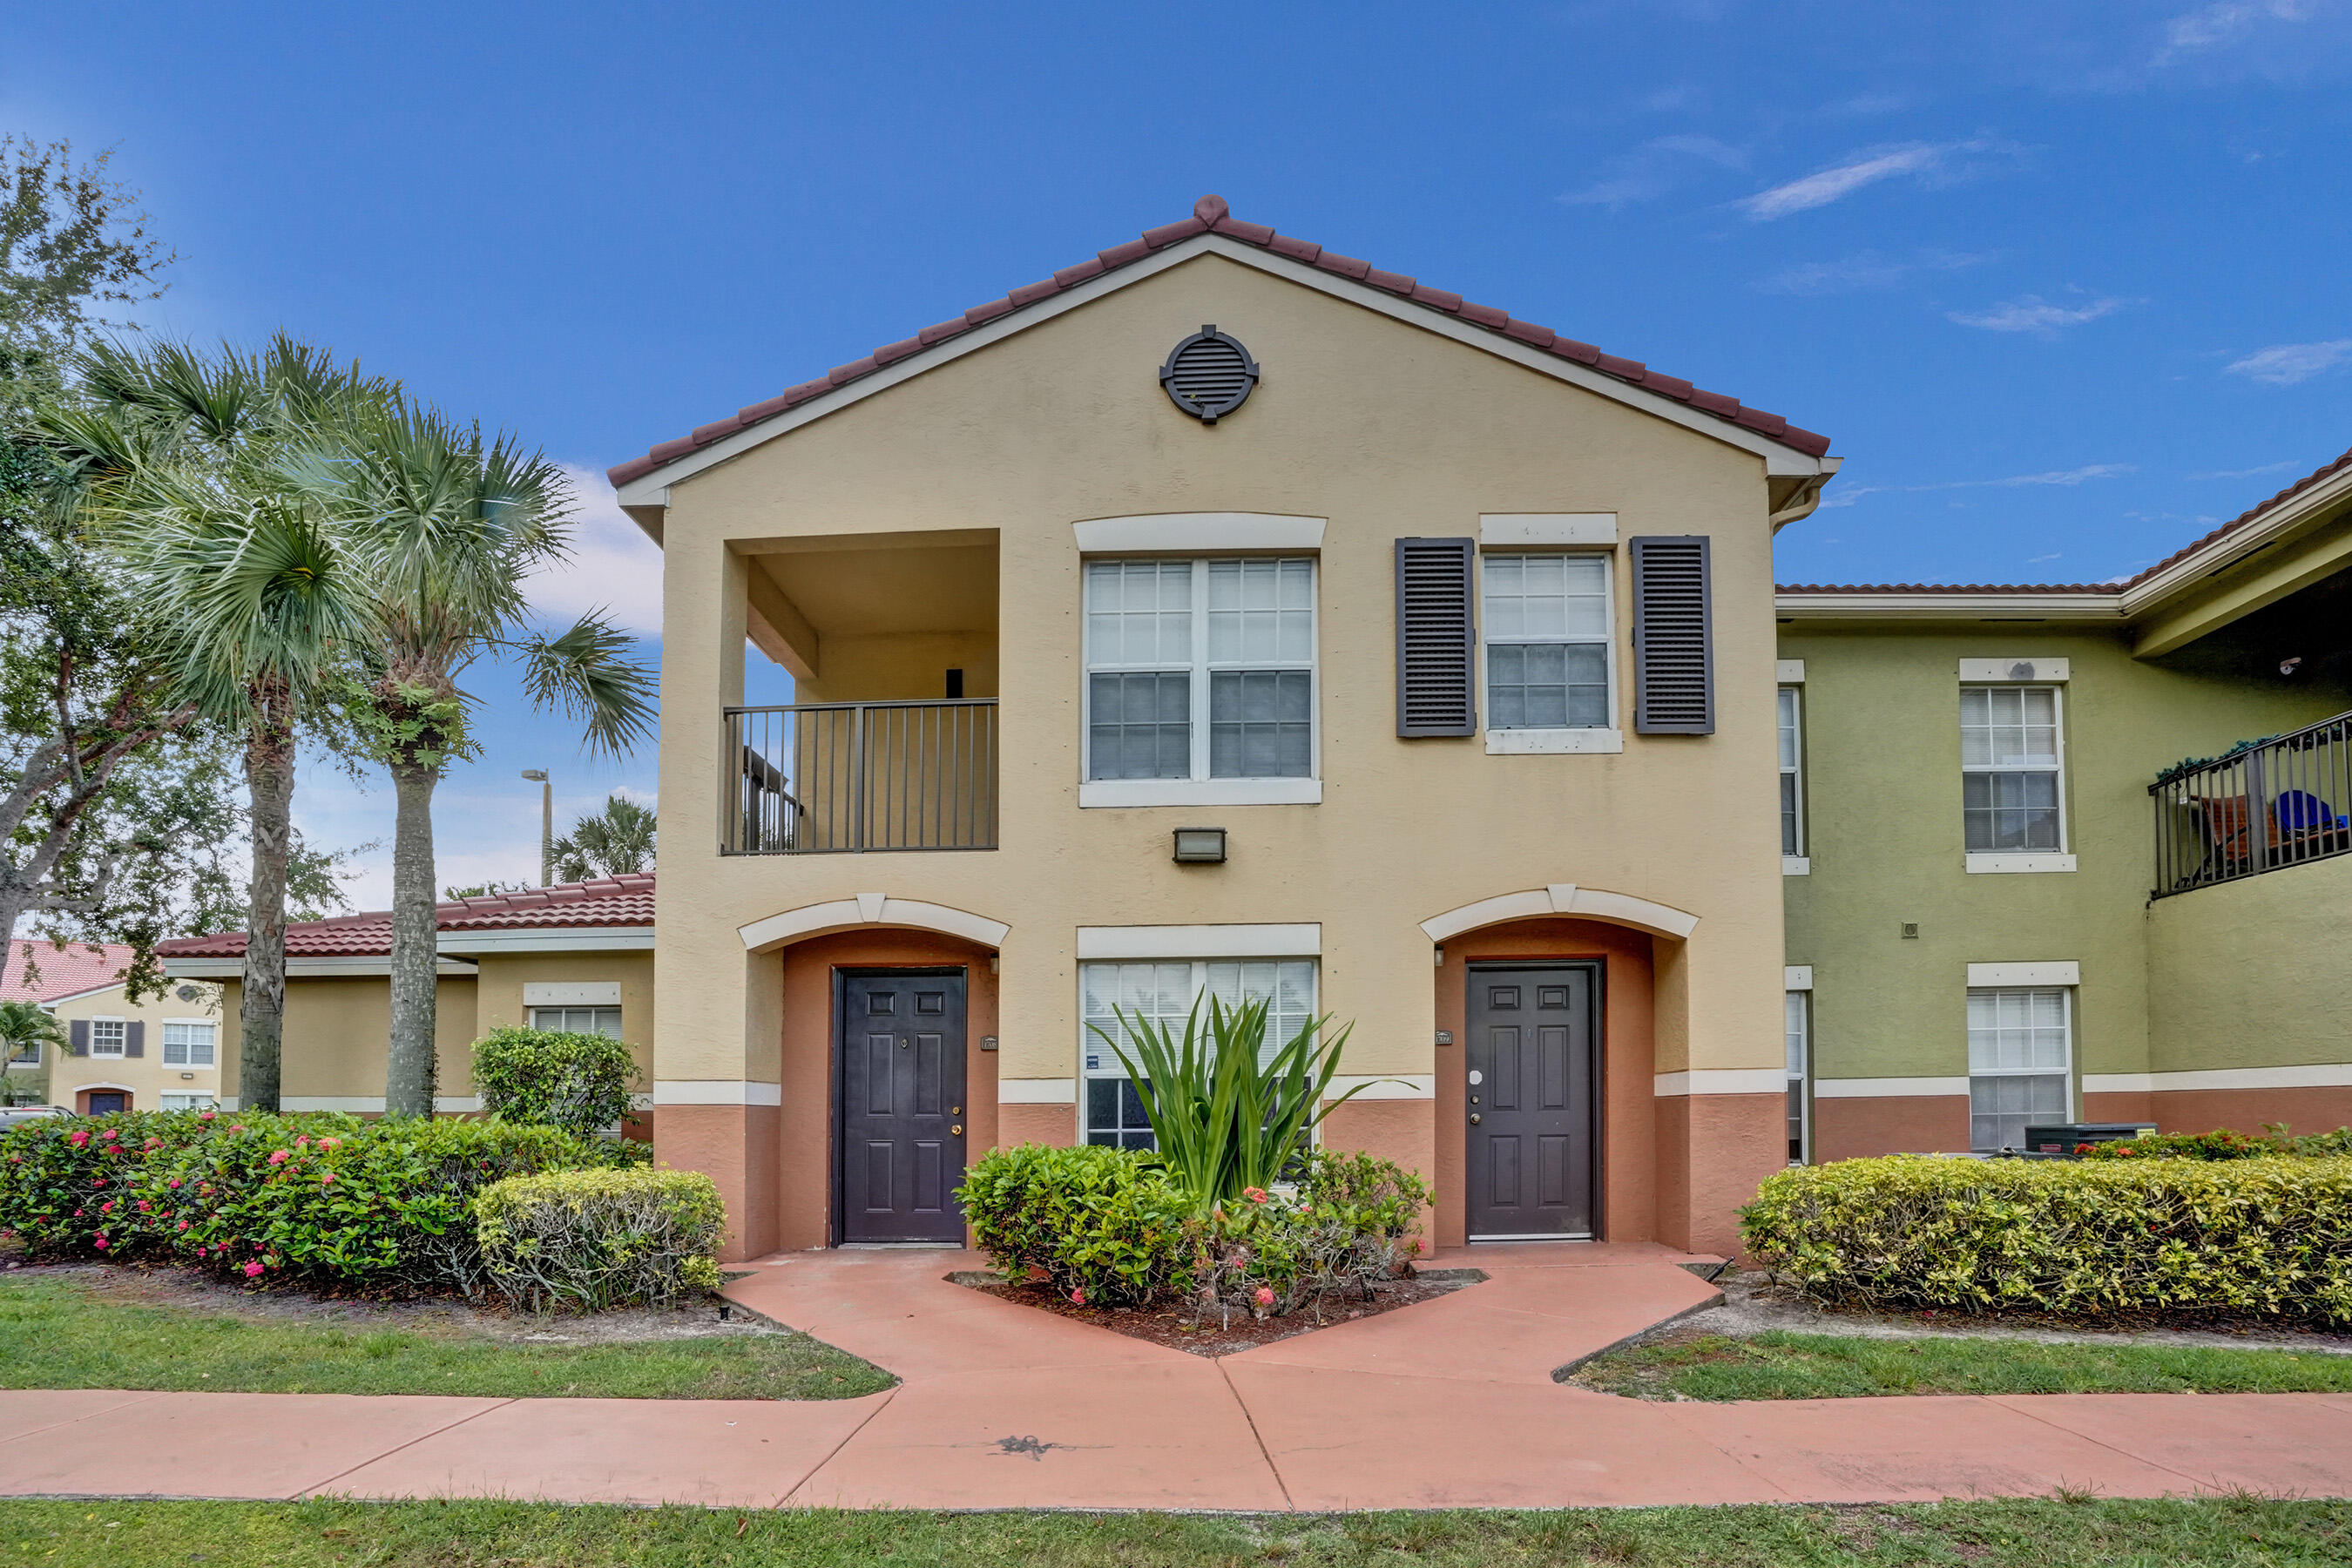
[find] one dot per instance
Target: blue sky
(2067, 284)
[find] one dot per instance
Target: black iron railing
(2263, 807)
(849, 777)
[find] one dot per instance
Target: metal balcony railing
(849, 777)
(2266, 806)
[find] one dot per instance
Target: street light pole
(546, 823)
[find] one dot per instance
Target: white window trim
(572, 994)
(1089, 1041)
(1801, 863)
(1201, 789)
(1514, 531)
(122, 1051)
(1167, 945)
(2062, 858)
(1190, 532)
(164, 1047)
(2015, 672)
(1600, 740)
(2074, 1082)
(2024, 976)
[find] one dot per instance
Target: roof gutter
(1952, 605)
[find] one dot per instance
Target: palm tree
(27, 1026)
(607, 843)
(452, 523)
(187, 469)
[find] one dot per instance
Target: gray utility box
(2061, 1137)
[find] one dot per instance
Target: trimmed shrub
(591, 1240)
(375, 1206)
(554, 1079)
(2220, 1145)
(2266, 1236)
(1105, 1227)
(1111, 1228)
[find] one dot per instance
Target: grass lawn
(55, 1333)
(2031, 1533)
(1777, 1365)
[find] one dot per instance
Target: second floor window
(1792, 789)
(2012, 770)
(1547, 628)
(187, 1044)
(1200, 668)
(106, 1036)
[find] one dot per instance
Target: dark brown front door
(1531, 1097)
(901, 1072)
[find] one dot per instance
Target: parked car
(17, 1115)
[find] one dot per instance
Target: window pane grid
(2012, 760)
(187, 1044)
(1792, 823)
(106, 1036)
(1164, 992)
(2021, 1062)
(1797, 1029)
(1547, 633)
(605, 1021)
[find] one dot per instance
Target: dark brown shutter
(77, 1038)
(1674, 638)
(134, 1038)
(1437, 637)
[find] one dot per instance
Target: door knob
(957, 1130)
(1474, 1119)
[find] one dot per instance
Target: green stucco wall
(1883, 780)
(2251, 973)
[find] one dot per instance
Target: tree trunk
(269, 783)
(415, 956)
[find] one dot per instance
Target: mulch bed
(1206, 1334)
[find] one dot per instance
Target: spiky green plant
(1227, 1115)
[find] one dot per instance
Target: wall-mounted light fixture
(1200, 846)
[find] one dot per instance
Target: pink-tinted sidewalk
(1448, 1403)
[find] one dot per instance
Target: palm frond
(585, 674)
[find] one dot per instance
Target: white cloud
(1866, 270)
(2279, 467)
(1868, 168)
(2035, 314)
(2225, 23)
(2284, 364)
(613, 565)
(2038, 560)
(2067, 476)
(1655, 168)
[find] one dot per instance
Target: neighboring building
(160, 1054)
(1388, 658)
(1996, 918)
(578, 956)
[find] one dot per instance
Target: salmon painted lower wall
(1859, 1127)
(2239, 1110)
(739, 1147)
(1714, 1151)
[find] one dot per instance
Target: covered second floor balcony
(843, 777)
(2262, 806)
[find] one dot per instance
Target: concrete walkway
(1447, 1404)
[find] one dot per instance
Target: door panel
(1533, 1068)
(902, 1106)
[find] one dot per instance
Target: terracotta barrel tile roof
(58, 973)
(1210, 215)
(627, 901)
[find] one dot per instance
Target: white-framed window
(1797, 1025)
(2021, 1062)
(28, 1057)
(1792, 783)
(603, 1021)
(188, 1043)
(1163, 990)
(187, 1101)
(107, 1037)
(2012, 770)
(1546, 620)
(1200, 668)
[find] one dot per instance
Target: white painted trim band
(369, 1104)
(567, 939)
(716, 1091)
(1887, 1087)
(1996, 863)
(2324, 1075)
(572, 994)
(1201, 793)
(1720, 1080)
(1197, 531)
(1385, 1086)
(1504, 530)
(2008, 669)
(1554, 742)
(1304, 940)
(871, 909)
(1797, 977)
(1036, 1091)
(2054, 974)
(1562, 898)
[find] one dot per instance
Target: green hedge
(2268, 1236)
(1111, 1228)
(594, 1240)
(2222, 1144)
(579, 1082)
(379, 1206)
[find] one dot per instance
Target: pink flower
(236, 1126)
(77, 1138)
(99, 1183)
(277, 1157)
(101, 1242)
(205, 1115)
(154, 1143)
(252, 1271)
(303, 1142)
(77, 1214)
(184, 1224)
(144, 1205)
(172, 1182)
(331, 1143)
(1265, 1296)
(1079, 1297)
(1255, 1195)
(106, 1208)
(327, 1179)
(110, 1132)
(1416, 1246)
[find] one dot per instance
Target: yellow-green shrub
(596, 1240)
(2265, 1236)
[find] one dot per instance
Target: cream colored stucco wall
(1387, 431)
(145, 1077)
(499, 997)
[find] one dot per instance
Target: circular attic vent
(1209, 374)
